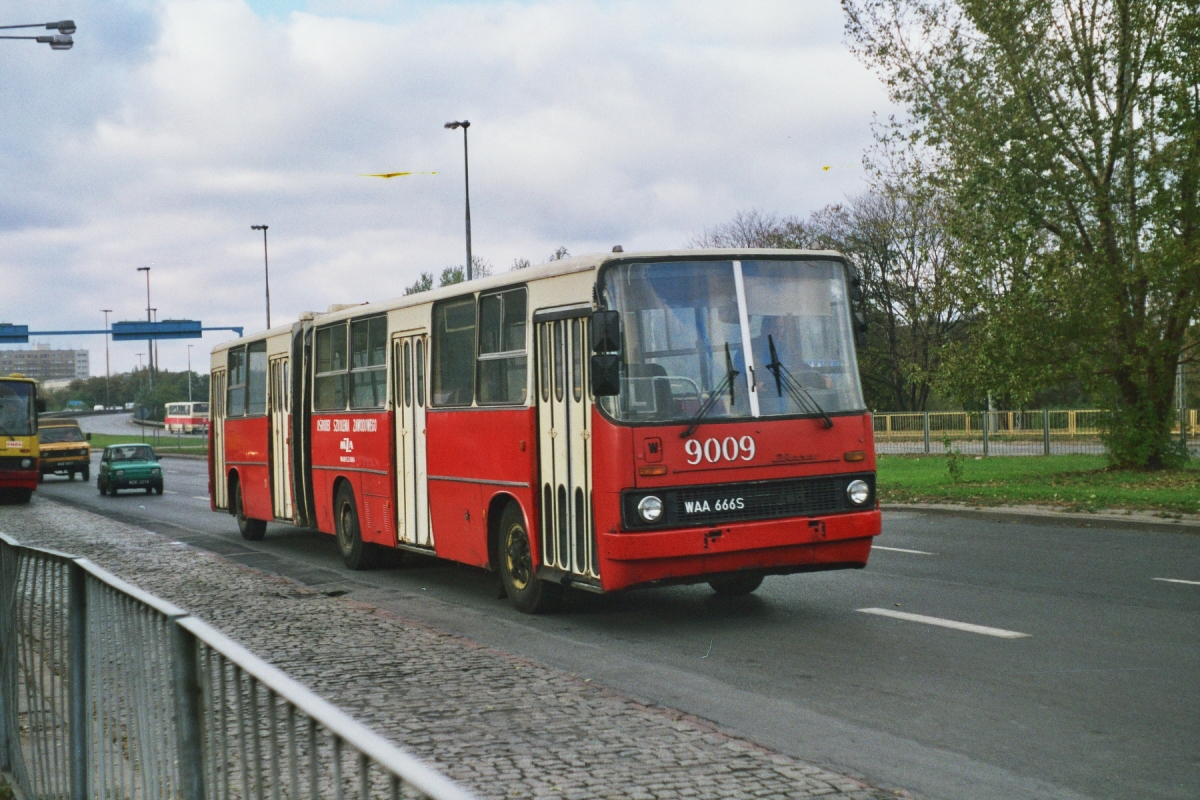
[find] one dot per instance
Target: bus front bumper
(19, 478)
(692, 555)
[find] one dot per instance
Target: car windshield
(17, 416)
(131, 452)
(58, 434)
(686, 326)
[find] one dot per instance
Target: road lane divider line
(203, 497)
(946, 623)
(1176, 580)
(902, 550)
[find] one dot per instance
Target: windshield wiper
(727, 381)
(785, 380)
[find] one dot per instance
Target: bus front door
(216, 405)
(279, 405)
(565, 447)
(408, 386)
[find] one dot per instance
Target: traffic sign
(13, 334)
(166, 329)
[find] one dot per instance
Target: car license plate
(138, 483)
(711, 505)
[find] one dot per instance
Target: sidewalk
(501, 725)
(1114, 519)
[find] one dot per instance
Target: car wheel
(87, 473)
(158, 491)
(112, 490)
(527, 593)
(149, 490)
(100, 486)
(733, 585)
(252, 530)
(356, 554)
(23, 495)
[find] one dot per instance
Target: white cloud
(174, 126)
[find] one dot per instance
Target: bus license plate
(713, 505)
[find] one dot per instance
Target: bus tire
(356, 554)
(252, 530)
(734, 585)
(527, 593)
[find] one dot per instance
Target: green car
(129, 466)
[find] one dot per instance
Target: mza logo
(346, 445)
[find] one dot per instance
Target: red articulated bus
(602, 422)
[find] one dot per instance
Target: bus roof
(551, 269)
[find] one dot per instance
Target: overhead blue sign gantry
(121, 331)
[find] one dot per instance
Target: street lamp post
(266, 270)
(189, 374)
(107, 379)
(149, 342)
(467, 181)
(59, 41)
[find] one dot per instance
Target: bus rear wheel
(356, 554)
(252, 530)
(528, 594)
(733, 585)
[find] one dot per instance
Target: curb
(191, 456)
(1036, 516)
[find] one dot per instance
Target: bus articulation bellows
(602, 422)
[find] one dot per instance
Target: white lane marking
(946, 623)
(203, 497)
(168, 491)
(902, 550)
(1176, 580)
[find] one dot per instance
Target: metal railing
(109, 692)
(999, 433)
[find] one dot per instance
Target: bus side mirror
(606, 332)
(41, 406)
(860, 329)
(606, 375)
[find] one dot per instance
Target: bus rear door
(408, 384)
(279, 407)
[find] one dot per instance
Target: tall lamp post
(467, 179)
(59, 41)
(266, 270)
(189, 374)
(107, 379)
(149, 342)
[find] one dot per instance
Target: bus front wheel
(732, 585)
(252, 530)
(528, 594)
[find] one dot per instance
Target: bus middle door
(412, 495)
(279, 407)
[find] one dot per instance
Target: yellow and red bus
(19, 406)
(601, 422)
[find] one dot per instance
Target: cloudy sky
(172, 127)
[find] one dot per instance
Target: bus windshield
(17, 415)
(686, 327)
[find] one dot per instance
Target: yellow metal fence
(1003, 432)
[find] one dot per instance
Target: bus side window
(503, 366)
(576, 360)
(368, 367)
(408, 384)
(256, 379)
(544, 355)
(453, 353)
(236, 405)
(329, 385)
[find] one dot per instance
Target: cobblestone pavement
(503, 726)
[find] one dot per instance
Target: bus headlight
(26, 463)
(858, 492)
(650, 508)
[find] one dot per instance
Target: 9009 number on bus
(716, 450)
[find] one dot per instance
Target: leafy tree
(1066, 137)
(754, 228)
(131, 387)
(521, 263)
(558, 255)
(422, 284)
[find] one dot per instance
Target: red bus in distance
(186, 417)
(600, 422)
